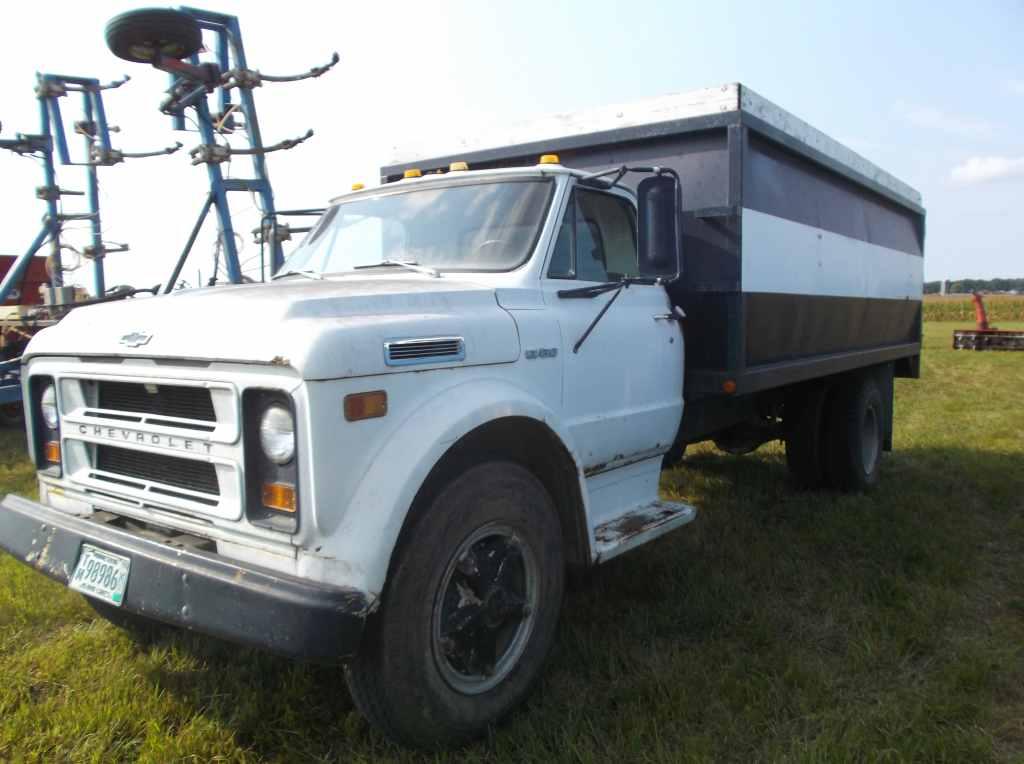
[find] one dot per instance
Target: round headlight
(277, 434)
(48, 406)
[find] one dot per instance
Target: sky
(931, 92)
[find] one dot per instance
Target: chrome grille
(158, 468)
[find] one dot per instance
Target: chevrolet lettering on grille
(122, 435)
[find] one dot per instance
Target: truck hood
(325, 329)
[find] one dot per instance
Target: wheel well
(537, 448)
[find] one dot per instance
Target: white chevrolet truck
(465, 383)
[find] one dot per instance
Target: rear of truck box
(800, 258)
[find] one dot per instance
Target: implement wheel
(144, 35)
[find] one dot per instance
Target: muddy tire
(143, 35)
(469, 611)
(855, 432)
(804, 425)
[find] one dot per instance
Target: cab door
(622, 386)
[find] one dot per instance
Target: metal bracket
(50, 88)
(28, 144)
(107, 157)
(53, 193)
(252, 78)
(210, 153)
(281, 232)
(92, 252)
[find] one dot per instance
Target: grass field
(778, 626)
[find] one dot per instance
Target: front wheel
(469, 612)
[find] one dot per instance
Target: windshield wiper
(593, 290)
(412, 265)
(309, 273)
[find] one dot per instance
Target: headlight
(48, 406)
(277, 434)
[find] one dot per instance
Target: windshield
(486, 226)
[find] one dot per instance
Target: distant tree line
(975, 285)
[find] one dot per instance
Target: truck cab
(259, 482)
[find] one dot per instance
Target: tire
(855, 433)
(804, 423)
(422, 676)
(142, 630)
(140, 36)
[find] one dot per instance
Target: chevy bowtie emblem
(135, 339)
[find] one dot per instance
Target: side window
(597, 238)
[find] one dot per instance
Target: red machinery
(986, 337)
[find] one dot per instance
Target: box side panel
(781, 183)
(828, 266)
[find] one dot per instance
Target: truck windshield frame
(485, 226)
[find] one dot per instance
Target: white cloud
(931, 118)
(984, 169)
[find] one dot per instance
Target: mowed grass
(778, 626)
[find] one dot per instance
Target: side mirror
(658, 235)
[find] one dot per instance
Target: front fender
(361, 536)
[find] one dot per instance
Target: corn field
(958, 307)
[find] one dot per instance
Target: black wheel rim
(484, 610)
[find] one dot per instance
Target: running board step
(639, 526)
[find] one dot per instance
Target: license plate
(101, 574)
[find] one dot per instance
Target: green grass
(778, 626)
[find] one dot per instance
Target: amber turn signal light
(52, 452)
(366, 405)
(279, 496)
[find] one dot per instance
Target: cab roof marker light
(458, 167)
(358, 186)
(412, 173)
(550, 159)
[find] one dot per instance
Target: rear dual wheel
(469, 613)
(834, 435)
(855, 433)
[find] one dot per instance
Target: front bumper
(194, 589)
